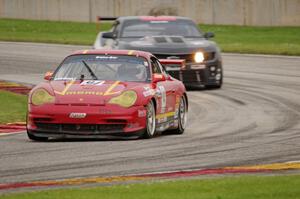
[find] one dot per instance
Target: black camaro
(168, 37)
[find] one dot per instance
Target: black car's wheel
(151, 122)
(35, 138)
(182, 116)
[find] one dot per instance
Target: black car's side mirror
(209, 35)
(109, 35)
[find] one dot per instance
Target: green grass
(238, 39)
(245, 187)
(13, 107)
(266, 40)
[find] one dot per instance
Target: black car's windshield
(103, 67)
(140, 28)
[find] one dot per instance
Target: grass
(265, 40)
(13, 107)
(258, 187)
(238, 39)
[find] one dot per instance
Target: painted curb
(268, 168)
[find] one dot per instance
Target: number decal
(163, 98)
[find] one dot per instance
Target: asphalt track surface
(253, 119)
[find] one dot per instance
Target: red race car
(104, 93)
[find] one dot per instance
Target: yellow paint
(168, 114)
(16, 123)
(276, 166)
(78, 181)
(85, 51)
(66, 88)
(126, 99)
(130, 52)
(109, 90)
(9, 84)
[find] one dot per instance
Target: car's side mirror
(109, 35)
(48, 75)
(209, 35)
(156, 77)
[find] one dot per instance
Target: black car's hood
(167, 44)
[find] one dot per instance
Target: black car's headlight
(199, 57)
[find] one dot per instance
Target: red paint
(202, 172)
(175, 174)
(12, 128)
(93, 100)
(158, 18)
(20, 89)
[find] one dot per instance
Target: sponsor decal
(176, 123)
(84, 93)
(77, 115)
(106, 57)
(142, 113)
(92, 82)
(105, 111)
(168, 114)
(109, 91)
(149, 93)
(162, 120)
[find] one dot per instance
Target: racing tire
(35, 138)
(150, 121)
(182, 117)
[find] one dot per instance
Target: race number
(163, 98)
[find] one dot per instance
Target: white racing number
(162, 91)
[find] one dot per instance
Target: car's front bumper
(100, 121)
(199, 74)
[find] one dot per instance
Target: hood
(92, 92)
(170, 44)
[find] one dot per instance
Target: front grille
(188, 76)
(77, 128)
(189, 58)
(47, 126)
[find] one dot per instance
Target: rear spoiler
(173, 64)
(99, 19)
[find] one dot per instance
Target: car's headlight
(199, 57)
(126, 99)
(41, 96)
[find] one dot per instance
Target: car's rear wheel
(182, 116)
(150, 121)
(35, 138)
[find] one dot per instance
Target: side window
(162, 69)
(155, 66)
(116, 28)
(159, 68)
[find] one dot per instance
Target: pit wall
(236, 12)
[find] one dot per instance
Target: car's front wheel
(150, 121)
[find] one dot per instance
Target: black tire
(151, 121)
(35, 138)
(182, 116)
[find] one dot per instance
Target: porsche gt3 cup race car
(103, 93)
(168, 37)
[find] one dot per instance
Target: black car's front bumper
(208, 74)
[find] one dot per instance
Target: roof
(114, 52)
(153, 18)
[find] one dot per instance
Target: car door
(165, 89)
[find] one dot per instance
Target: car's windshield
(139, 28)
(103, 67)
